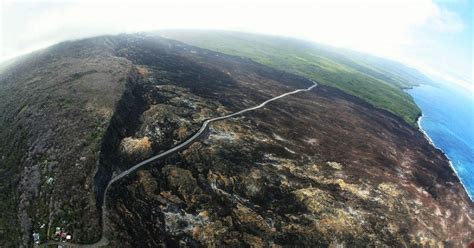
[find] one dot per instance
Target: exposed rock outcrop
(320, 168)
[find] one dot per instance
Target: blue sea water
(448, 119)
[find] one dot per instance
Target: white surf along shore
(427, 137)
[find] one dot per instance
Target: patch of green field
(378, 81)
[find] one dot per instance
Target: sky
(433, 36)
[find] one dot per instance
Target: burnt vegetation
(317, 168)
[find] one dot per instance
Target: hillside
(55, 106)
(377, 81)
(318, 168)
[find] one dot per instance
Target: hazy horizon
(434, 37)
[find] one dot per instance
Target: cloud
(382, 27)
(370, 25)
(446, 21)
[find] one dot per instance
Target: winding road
(103, 241)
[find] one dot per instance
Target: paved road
(180, 146)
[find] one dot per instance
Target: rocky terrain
(319, 168)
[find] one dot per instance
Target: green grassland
(377, 81)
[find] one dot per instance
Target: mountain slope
(315, 168)
(55, 106)
(379, 82)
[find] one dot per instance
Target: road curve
(190, 140)
(180, 146)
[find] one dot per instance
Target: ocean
(448, 120)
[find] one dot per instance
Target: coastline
(428, 138)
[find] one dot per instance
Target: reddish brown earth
(320, 168)
(314, 168)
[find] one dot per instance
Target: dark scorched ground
(318, 168)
